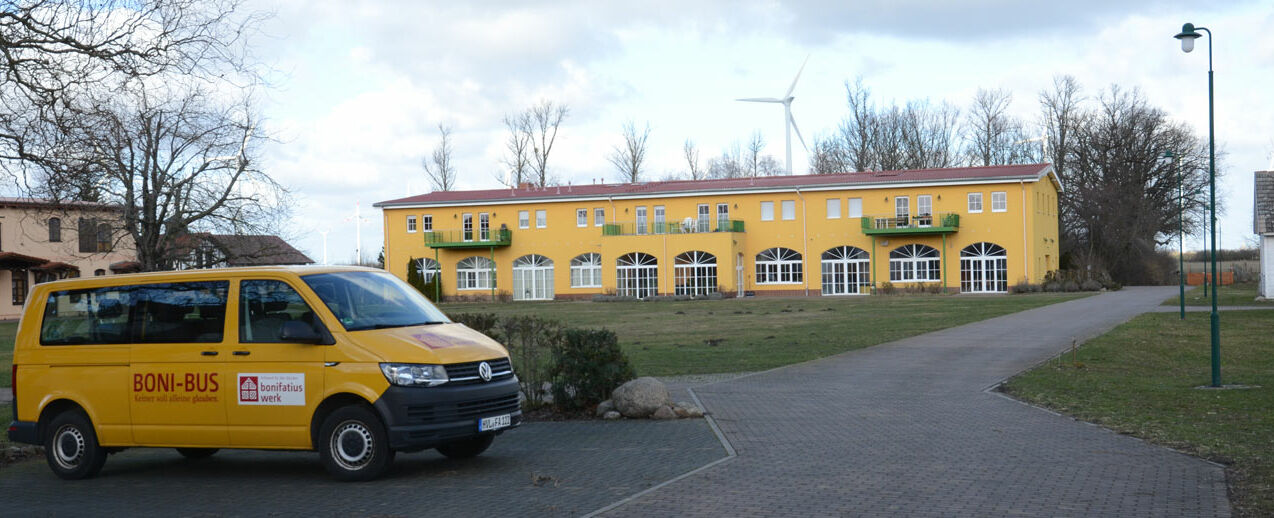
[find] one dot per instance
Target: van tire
(71, 446)
(353, 444)
(467, 448)
(197, 453)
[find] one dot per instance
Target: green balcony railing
(468, 239)
(938, 223)
(692, 226)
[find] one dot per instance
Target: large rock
(605, 406)
(640, 397)
(664, 412)
(685, 409)
(610, 415)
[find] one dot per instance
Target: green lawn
(7, 331)
(1232, 295)
(739, 335)
(1141, 379)
(6, 415)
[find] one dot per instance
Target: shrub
(1070, 285)
(888, 288)
(588, 365)
(1090, 285)
(1052, 286)
(530, 341)
(1025, 287)
(480, 322)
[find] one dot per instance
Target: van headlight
(414, 374)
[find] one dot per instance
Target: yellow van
(351, 362)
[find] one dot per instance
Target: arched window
(695, 273)
(915, 263)
(636, 275)
(586, 271)
(475, 273)
(55, 230)
(778, 266)
(427, 268)
(532, 278)
(846, 271)
(99, 272)
(984, 269)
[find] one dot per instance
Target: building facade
(1263, 226)
(41, 241)
(972, 230)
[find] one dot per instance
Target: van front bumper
(423, 417)
(24, 432)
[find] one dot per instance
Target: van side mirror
(299, 332)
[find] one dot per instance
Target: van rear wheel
(353, 444)
(467, 448)
(197, 453)
(71, 446)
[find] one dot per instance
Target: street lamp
(1188, 34)
(1181, 235)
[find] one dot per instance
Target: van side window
(264, 306)
(187, 312)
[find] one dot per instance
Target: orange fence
(1197, 279)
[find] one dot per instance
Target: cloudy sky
(358, 92)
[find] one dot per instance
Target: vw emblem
(484, 370)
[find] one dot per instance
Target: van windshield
(370, 300)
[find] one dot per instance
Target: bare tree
(438, 166)
(829, 157)
(1060, 113)
(729, 165)
(546, 117)
(518, 147)
(691, 153)
(755, 144)
(870, 137)
(629, 156)
(994, 137)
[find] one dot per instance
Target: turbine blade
(798, 77)
(798, 132)
(760, 100)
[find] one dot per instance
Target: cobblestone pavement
(540, 469)
(908, 429)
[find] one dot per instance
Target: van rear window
(183, 312)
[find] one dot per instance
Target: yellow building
(972, 230)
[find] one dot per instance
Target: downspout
(871, 266)
(1026, 255)
(493, 274)
(805, 241)
(944, 263)
(670, 270)
(438, 281)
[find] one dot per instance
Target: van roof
(176, 275)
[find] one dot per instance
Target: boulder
(640, 397)
(664, 412)
(604, 407)
(685, 409)
(611, 415)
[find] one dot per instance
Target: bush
(1025, 287)
(1070, 285)
(480, 322)
(1090, 285)
(530, 341)
(1052, 286)
(888, 288)
(588, 365)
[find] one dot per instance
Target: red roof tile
(955, 174)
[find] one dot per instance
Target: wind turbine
(786, 101)
(358, 220)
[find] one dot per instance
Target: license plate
(495, 423)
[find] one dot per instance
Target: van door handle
(209, 353)
(242, 353)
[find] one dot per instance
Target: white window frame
(427, 223)
(484, 226)
(586, 270)
(466, 226)
(833, 208)
(581, 218)
(411, 224)
(475, 273)
(789, 210)
(767, 211)
(902, 207)
(846, 271)
(912, 266)
(975, 203)
(660, 219)
(636, 275)
(695, 273)
(855, 207)
(703, 217)
(779, 265)
(999, 201)
(984, 268)
(641, 222)
(599, 217)
(524, 219)
(427, 268)
(541, 218)
(533, 273)
(924, 205)
(723, 216)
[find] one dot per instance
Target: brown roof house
(205, 250)
(42, 240)
(1263, 226)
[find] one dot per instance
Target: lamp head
(1187, 37)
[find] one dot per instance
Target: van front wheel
(353, 444)
(71, 446)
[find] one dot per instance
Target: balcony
(940, 223)
(456, 238)
(688, 226)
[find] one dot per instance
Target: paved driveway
(907, 429)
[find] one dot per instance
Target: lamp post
(1181, 246)
(1188, 34)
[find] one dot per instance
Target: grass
(1239, 294)
(1141, 379)
(6, 415)
(741, 335)
(7, 331)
